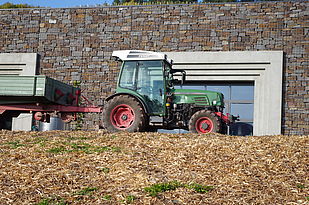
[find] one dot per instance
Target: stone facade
(76, 44)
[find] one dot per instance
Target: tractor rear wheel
(124, 113)
(204, 121)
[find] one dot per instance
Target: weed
(130, 199)
(155, 189)
(107, 148)
(107, 197)
(105, 170)
(15, 144)
(114, 136)
(79, 121)
(53, 201)
(40, 140)
(199, 188)
(78, 138)
(307, 197)
(82, 147)
(301, 186)
(162, 187)
(86, 191)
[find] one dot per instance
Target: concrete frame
(263, 67)
(18, 64)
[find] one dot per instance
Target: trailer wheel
(204, 121)
(124, 113)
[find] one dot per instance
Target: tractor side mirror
(183, 77)
(183, 74)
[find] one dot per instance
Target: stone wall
(76, 43)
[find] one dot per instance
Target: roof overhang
(130, 55)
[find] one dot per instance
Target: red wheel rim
(204, 125)
(122, 116)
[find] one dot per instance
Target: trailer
(40, 96)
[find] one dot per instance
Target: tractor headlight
(214, 102)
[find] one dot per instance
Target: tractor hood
(198, 97)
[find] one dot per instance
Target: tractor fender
(134, 96)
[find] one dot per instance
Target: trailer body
(42, 96)
(36, 89)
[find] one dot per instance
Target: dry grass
(62, 167)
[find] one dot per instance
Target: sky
(58, 3)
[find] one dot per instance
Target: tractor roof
(128, 55)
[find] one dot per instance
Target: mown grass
(58, 164)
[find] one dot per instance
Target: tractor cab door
(146, 79)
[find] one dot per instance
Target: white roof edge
(126, 55)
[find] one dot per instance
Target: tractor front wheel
(204, 121)
(124, 113)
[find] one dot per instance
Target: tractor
(146, 98)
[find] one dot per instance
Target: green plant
(79, 116)
(15, 144)
(86, 191)
(154, 189)
(107, 148)
(199, 188)
(78, 138)
(81, 147)
(79, 121)
(301, 186)
(52, 201)
(57, 150)
(130, 199)
(84, 147)
(40, 140)
(16, 6)
(107, 197)
(105, 170)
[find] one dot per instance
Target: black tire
(204, 121)
(124, 113)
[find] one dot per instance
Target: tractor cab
(145, 75)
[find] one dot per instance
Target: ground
(62, 167)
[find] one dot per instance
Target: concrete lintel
(18, 63)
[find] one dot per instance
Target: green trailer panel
(35, 89)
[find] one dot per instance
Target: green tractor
(146, 100)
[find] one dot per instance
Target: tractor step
(156, 121)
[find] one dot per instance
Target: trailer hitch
(228, 118)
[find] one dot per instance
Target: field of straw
(61, 167)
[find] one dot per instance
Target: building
(256, 53)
